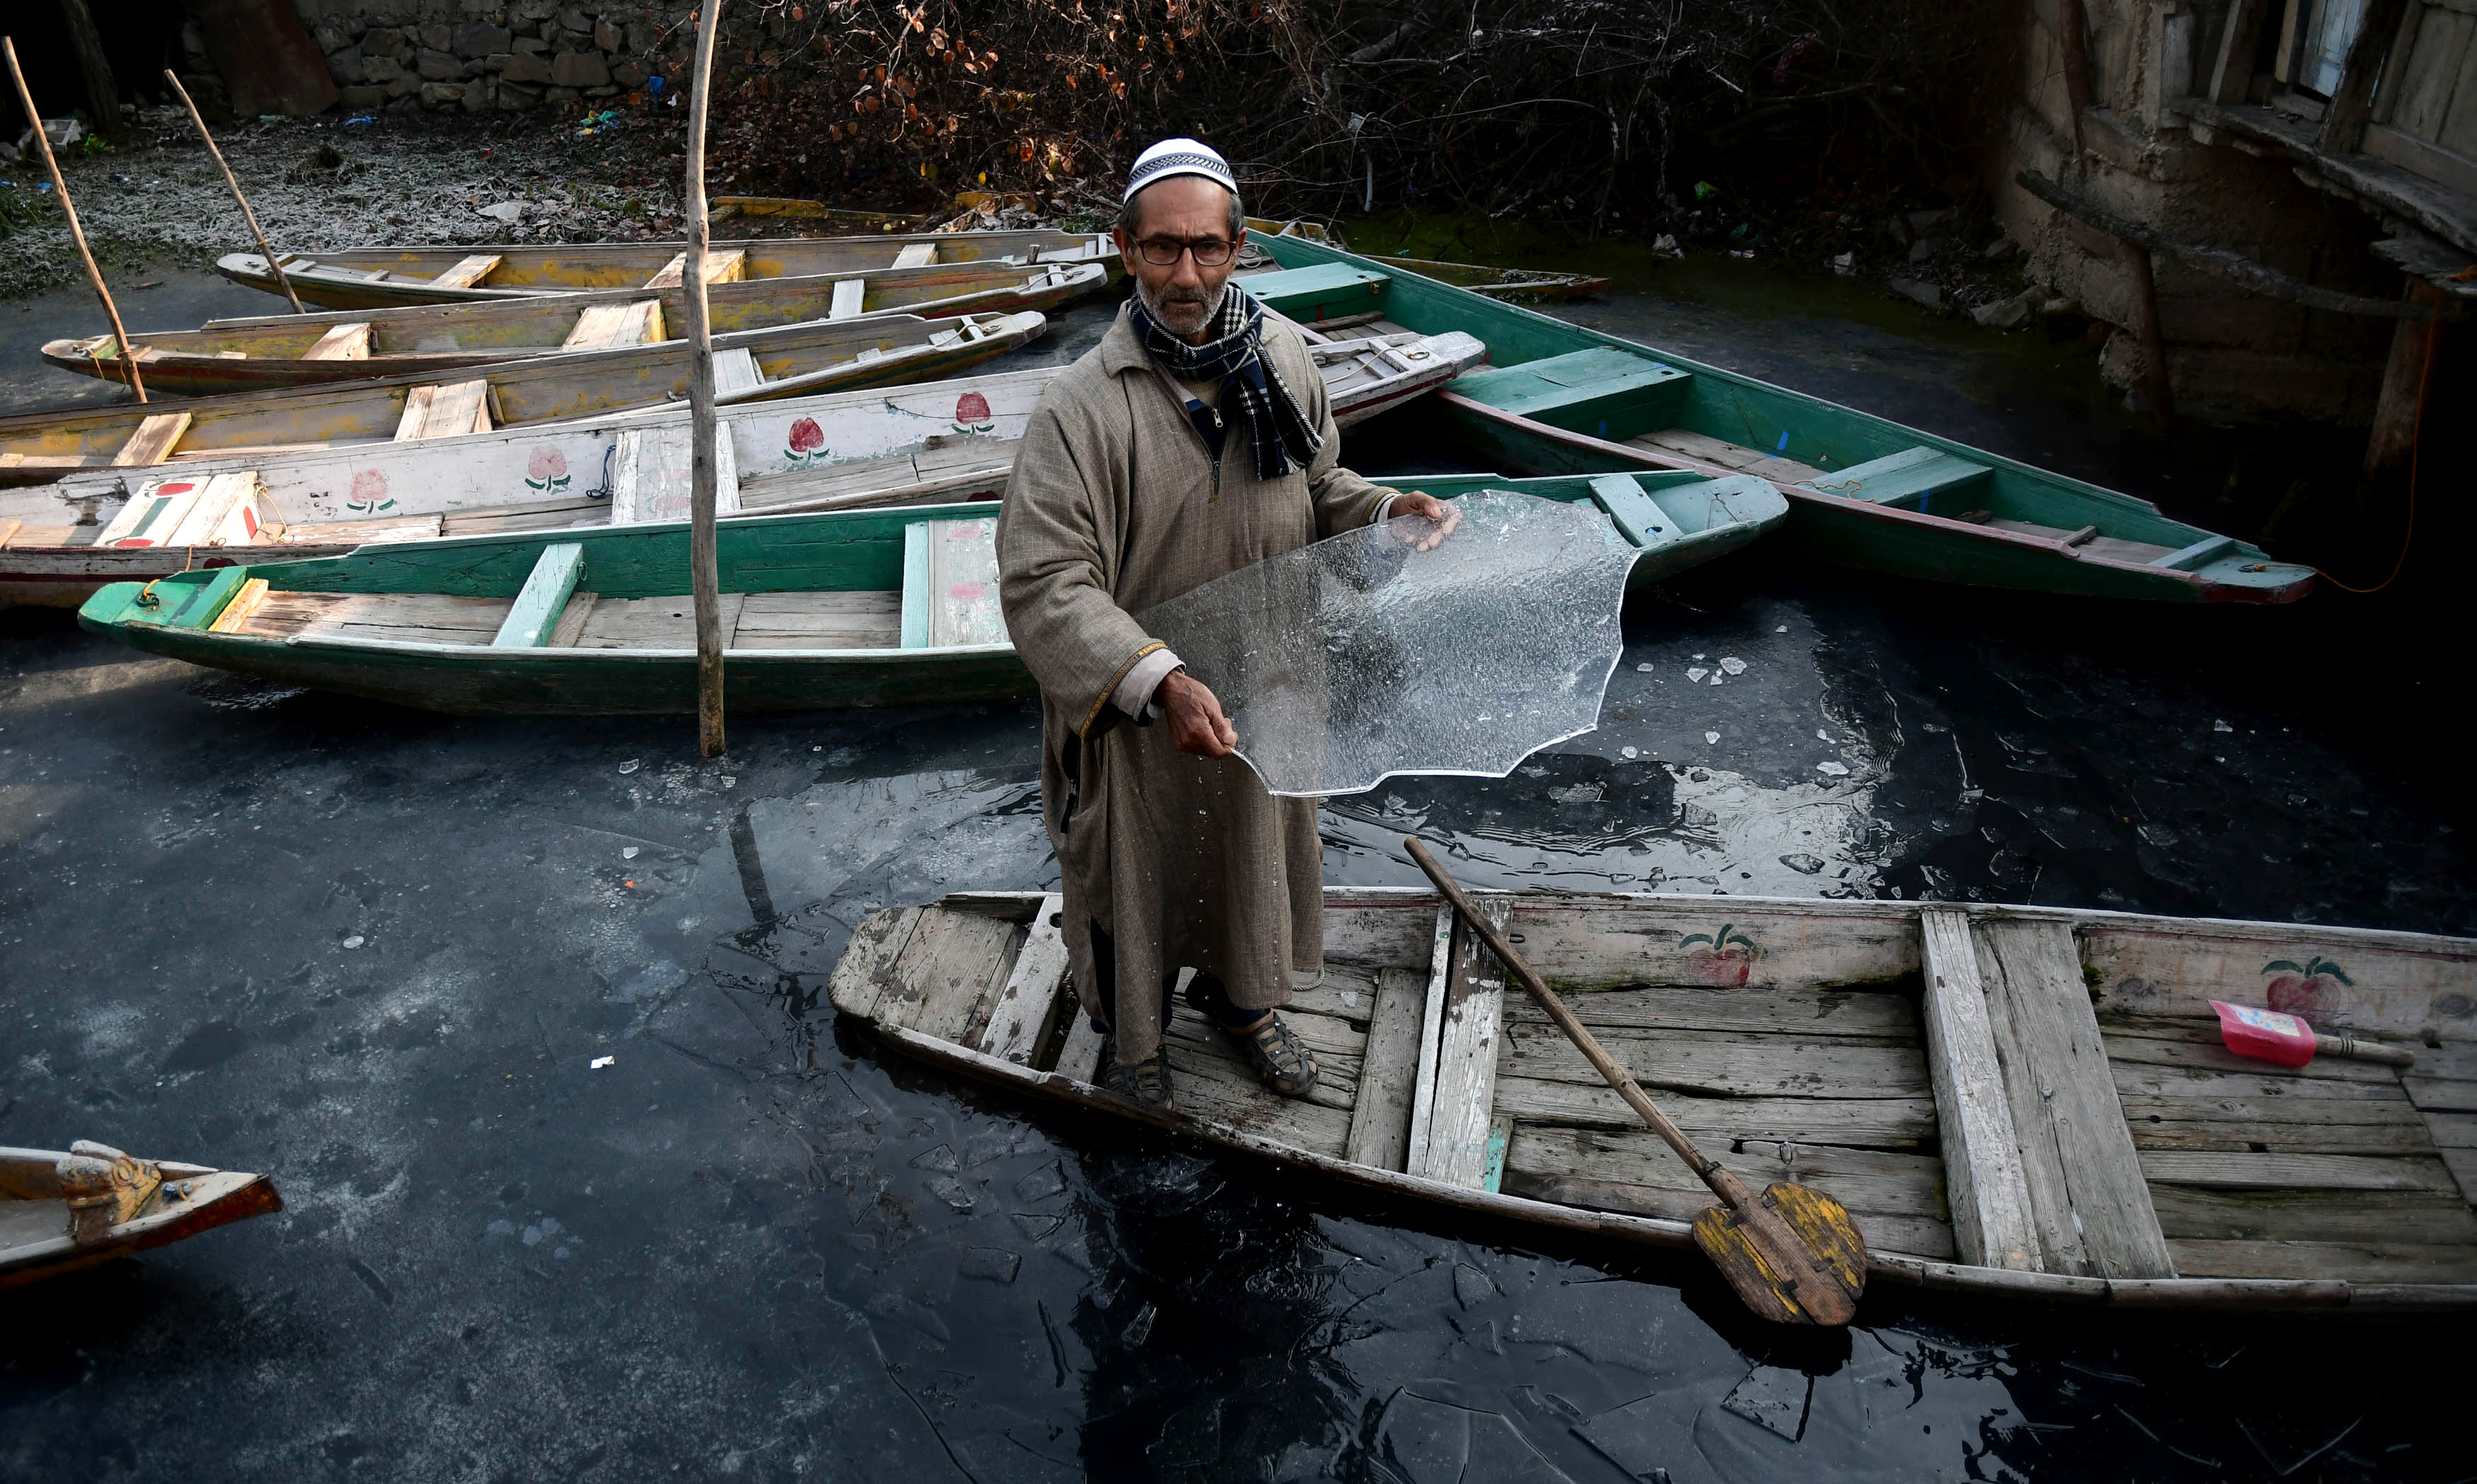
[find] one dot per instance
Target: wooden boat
(1478, 278)
(275, 352)
(750, 366)
(1865, 492)
(722, 209)
(850, 607)
(379, 277)
(1502, 282)
(66, 1210)
(941, 441)
(2014, 1103)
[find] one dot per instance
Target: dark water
(376, 952)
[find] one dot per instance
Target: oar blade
(1799, 1260)
(1733, 1248)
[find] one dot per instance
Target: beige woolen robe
(1184, 862)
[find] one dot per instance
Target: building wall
(480, 55)
(2230, 353)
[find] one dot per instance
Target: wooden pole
(703, 580)
(102, 94)
(2392, 440)
(2145, 327)
(76, 235)
(249, 215)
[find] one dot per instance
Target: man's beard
(1182, 311)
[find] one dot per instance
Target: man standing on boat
(1193, 441)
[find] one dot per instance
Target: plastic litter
(1705, 191)
(2267, 1034)
(600, 1062)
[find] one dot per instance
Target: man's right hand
(1196, 724)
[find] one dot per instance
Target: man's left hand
(1428, 508)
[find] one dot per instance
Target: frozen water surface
(1360, 656)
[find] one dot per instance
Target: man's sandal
(1279, 1056)
(1144, 1083)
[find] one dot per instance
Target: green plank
(1606, 394)
(1328, 290)
(1637, 515)
(1722, 404)
(543, 598)
(916, 586)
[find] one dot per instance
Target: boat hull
(427, 623)
(338, 280)
(1610, 404)
(1862, 537)
(571, 683)
(1833, 1043)
(265, 354)
(796, 359)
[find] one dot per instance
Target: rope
(2415, 443)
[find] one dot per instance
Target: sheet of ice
(1360, 657)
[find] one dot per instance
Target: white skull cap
(1178, 157)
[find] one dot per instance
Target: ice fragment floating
(1360, 656)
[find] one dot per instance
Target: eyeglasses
(1163, 251)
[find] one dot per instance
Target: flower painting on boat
(972, 414)
(806, 444)
(2309, 989)
(1724, 959)
(370, 494)
(546, 469)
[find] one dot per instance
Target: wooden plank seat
(1601, 392)
(725, 268)
(153, 440)
(850, 294)
(1919, 479)
(606, 326)
(343, 342)
(736, 371)
(916, 255)
(1706, 449)
(468, 272)
(950, 585)
(448, 410)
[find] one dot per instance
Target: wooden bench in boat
(1942, 1070)
(949, 600)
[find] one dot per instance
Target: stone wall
(2230, 353)
(480, 55)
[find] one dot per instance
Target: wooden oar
(1792, 1253)
(77, 234)
(273, 262)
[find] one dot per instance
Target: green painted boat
(1865, 492)
(848, 608)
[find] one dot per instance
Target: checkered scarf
(1234, 357)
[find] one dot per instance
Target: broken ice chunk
(1834, 769)
(1710, 736)
(1733, 665)
(1697, 673)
